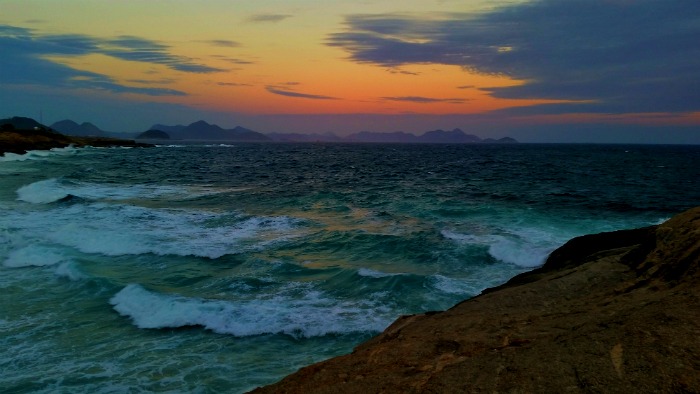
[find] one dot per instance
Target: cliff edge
(613, 312)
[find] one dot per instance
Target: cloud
(148, 51)
(163, 81)
(611, 56)
(232, 84)
(26, 60)
(257, 18)
(399, 71)
(284, 91)
(233, 60)
(224, 43)
(425, 100)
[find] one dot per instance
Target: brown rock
(614, 312)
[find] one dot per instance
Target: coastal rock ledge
(615, 312)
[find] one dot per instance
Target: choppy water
(221, 268)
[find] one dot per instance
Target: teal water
(222, 268)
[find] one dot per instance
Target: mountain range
(69, 127)
(201, 130)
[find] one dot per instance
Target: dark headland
(615, 312)
(19, 135)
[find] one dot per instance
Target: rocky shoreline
(614, 312)
(19, 141)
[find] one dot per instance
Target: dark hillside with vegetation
(19, 135)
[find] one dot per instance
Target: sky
(538, 71)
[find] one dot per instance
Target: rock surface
(613, 312)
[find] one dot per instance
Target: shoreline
(610, 312)
(21, 141)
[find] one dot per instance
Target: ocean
(219, 268)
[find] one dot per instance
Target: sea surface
(219, 268)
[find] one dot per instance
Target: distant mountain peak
(70, 127)
(202, 130)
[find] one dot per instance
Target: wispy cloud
(257, 18)
(26, 59)
(425, 100)
(233, 60)
(399, 71)
(224, 43)
(164, 81)
(233, 84)
(285, 91)
(610, 56)
(148, 51)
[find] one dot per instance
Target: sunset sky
(550, 70)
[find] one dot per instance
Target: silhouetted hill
(394, 137)
(69, 127)
(153, 135)
(202, 130)
(20, 123)
(455, 136)
(19, 135)
(298, 137)
(172, 130)
(504, 140)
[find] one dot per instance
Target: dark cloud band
(611, 56)
(290, 93)
(425, 100)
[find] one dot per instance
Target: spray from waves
(115, 229)
(370, 273)
(34, 256)
(39, 154)
(70, 270)
(311, 315)
(54, 189)
(45, 256)
(524, 247)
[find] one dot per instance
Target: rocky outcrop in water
(614, 312)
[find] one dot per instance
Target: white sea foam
(39, 154)
(70, 270)
(34, 255)
(54, 189)
(116, 229)
(525, 247)
(51, 190)
(454, 285)
(41, 192)
(219, 146)
(367, 272)
(313, 314)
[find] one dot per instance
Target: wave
(117, 229)
(44, 256)
(370, 273)
(55, 189)
(39, 154)
(311, 315)
(59, 189)
(34, 256)
(524, 247)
